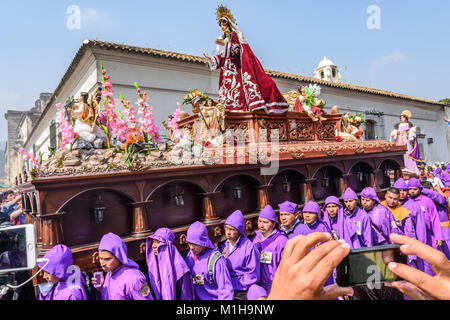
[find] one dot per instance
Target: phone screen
(369, 266)
(13, 249)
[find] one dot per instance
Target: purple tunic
(61, 259)
(272, 249)
(243, 259)
(442, 208)
(222, 287)
(168, 273)
(363, 227)
(317, 226)
(380, 217)
(339, 226)
(125, 282)
(433, 225)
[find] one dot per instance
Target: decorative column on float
(343, 183)
(263, 196)
(373, 179)
(208, 212)
(51, 230)
(307, 194)
(140, 219)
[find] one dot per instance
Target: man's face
(368, 204)
(351, 204)
(332, 210)
(266, 226)
(403, 194)
(287, 219)
(195, 248)
(50, 278)
(108, 261)
(414, 192)
(155, 245)
(392, 199)
(309, 217)
(231, 233)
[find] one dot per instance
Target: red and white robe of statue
(243, 83)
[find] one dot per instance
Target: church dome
(325, 62)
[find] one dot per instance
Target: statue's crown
(224, 12)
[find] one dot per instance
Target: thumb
(331, 292)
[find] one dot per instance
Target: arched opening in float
(386, 175)
(287, 185)
(326, 182)
(360, 176)
(79, 222)
(238, 192)
(173, 204)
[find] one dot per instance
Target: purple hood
(198, 234)
(236, 220)
(268, 213)
(350, 194)
(370, 193)
(114, 244)
(60, 259)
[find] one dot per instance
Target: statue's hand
(219, 41)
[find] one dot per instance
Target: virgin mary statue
(243, 83)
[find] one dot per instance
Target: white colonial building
(168, 76)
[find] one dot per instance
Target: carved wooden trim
(142, 247)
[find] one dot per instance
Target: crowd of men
(243, 268)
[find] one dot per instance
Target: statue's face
(224, 25)
(403, 119)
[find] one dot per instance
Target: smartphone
(98, 279)
(17, 248)
(369, 266)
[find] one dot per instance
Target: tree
(446, 101)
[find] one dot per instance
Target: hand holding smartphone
(369, 266)
(98, 279)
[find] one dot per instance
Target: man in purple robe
(359, 217)
(65, 280)
(417, 215)
(313, 223)
(433, 224)
(270, 243)
(312, 220)
(380, 217)
(215, 286)
(446, 176)
(123, 279)
(442, 209)
(241, 256)
(168, 273)
(291, 225)
(334, 218)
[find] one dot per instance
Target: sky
(401, 46)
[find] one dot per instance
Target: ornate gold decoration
(142, 247)
(224, 12)
(326, 130)
(291, 97)
(300, 130)
(182, 239)
(331, 153)
(359, 150)
(217, 232)
(95, 258)
(297, 155)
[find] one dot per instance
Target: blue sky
(409, 54)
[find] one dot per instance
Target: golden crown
(224, 12)
(407, 114)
